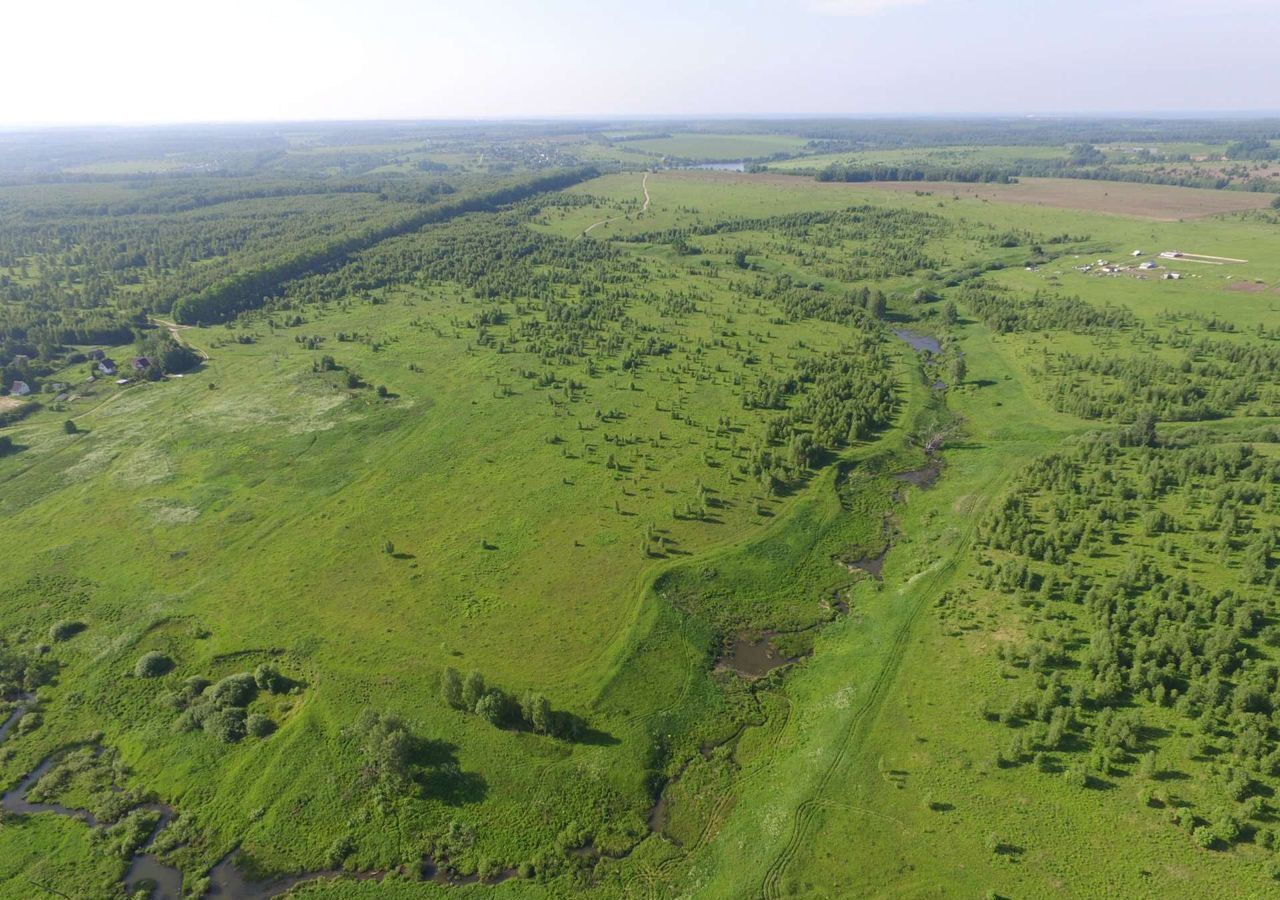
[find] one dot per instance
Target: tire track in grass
(806, 812)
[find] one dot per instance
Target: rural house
(97, 355)
(20, 389)
(107, 367)
(140, 363)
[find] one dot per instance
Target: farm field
(551, 531)
(1144, 201)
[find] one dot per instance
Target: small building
(20, 389)
(1147, 265)
(1172, 276)
(1136, 253)
(123, 380)
(141, 362)
(1170, 254)
(107, 367)
(21, 359)
(97, 355)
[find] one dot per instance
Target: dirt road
(644, 186)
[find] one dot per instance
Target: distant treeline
(1009, 173)
(967, 174)
(248, 290)
(182, 192)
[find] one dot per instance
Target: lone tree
(536, 711)
(492, 707)
(385, 745)
(451, 688)
(876, 306)
(472, 690)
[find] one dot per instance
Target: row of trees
(500, 709)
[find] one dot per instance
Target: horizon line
(649, 118)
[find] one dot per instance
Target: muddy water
(15, 802)
(753, 657)
(921, 343)
(872, 565)
(24, 700)
(146, 870)
(225, 880)
(922, 478)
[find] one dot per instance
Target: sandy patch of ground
(300, 411)
(145, 466)
(91, 464)
(1249, 287)
(8, 403)
(169, 512)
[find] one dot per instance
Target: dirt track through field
(644, 186)
(175, 332)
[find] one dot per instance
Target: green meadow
(764, 601)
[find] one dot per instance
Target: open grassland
(1144, 201)
(583, 465)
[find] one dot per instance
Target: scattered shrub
(259, 726)
(339, 850)
(227, 725)
(152, 664)
(65, 630)
(268, 678)
(234, 690)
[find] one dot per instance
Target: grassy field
(578, 465)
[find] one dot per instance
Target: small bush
(192, 719)
(227, 725)
(194, 686)
(152, 665)
(65, 630)
(259, 726)
(234, 690)
(268, 678)
(341, 848)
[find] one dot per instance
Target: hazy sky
(73, 61)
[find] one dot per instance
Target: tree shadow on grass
(575, 730)
(441, 778)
